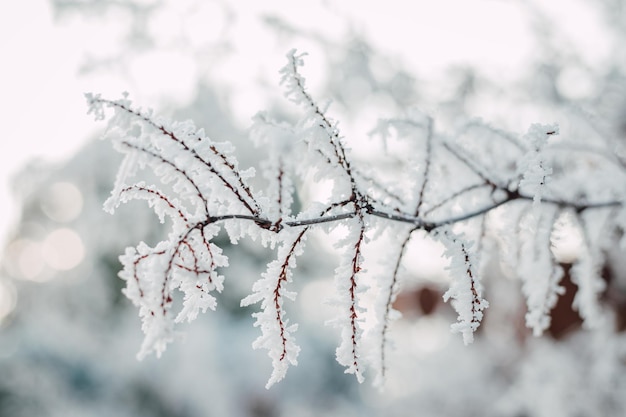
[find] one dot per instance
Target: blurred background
(68, 337)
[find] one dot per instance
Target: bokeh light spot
(23, 259)
(63, 249)
(63, 202)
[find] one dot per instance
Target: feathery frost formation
(449, 188)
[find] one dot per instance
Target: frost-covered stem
(381, 187)
(181, 171)
(419, 222)
(193, 255)
(391, 297)
(514, 195)
(465, 289)
(158, 195)
(281, 174)
(282, 279)
(326, 124)
(280, 177)
(136, 263)
(471, 165)
(166, 298)
(251, 206)
(476, 299)
(356, 268)
(538, 269)
(322, 219)
(456, 195)
(297, 85)
(207, 245)
(234, 171)
(428, 158)
(533, 168)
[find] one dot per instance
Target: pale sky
(41, 104)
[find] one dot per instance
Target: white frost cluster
(538, 270)
(147, 294)
(326, 155)
(202, 179)
(350, 313)
(466, 289)
(276, 331)
(533, 167)
(387, 286)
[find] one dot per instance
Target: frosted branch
(443, 185)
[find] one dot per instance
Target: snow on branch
(538, 270)
(466, 289)
(349, 319)
(447, 182)
(388, 290)
(533, 167)
(271, 291)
